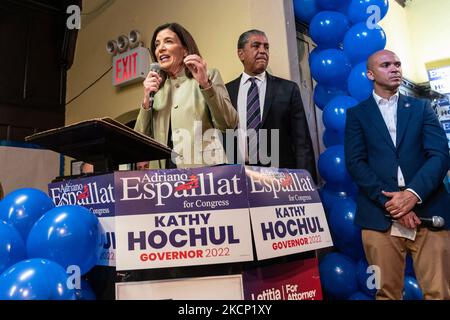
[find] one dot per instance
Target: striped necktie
(253, 120)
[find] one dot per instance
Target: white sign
(208, 288)
(108, 252)
(286, 213)
(285, 230)
(440, 79)
(443, 112)
(183, 239)
(183, 217)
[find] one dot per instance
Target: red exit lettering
(126, 68)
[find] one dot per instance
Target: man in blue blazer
(280, 108)
(397, 153)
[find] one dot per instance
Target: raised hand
(199, 69)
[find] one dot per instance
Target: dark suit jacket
(421, 151)
(283, 110)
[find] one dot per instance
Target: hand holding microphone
(400, 208)
(411, 220)
(151, 85)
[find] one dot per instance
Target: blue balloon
(23, 207)
(305, 10)
(359, 11)
(411, 289)
(338, 275)
(330, 197)
(334, 5)
(341, 221)
(360, 296)
(332, 166)
(313, 54)
(359, 86)
(349, 188)
(360, 42)
(35, 279)
(68, 235)
(328, 29)
(346, 234)
(85, 292)
(12, 247)
(331, 68)
(334, 113)
(323, 95)
(333, 137)
(368, 287)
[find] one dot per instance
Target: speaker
(135, 38)
(111, 47)
(123, 43)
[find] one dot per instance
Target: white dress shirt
(388, 109)
(261, 82)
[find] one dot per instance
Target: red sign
(126, 68)
(298, 280)
(131, 66)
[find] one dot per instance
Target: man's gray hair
(243, 39)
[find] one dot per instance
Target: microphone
(433, 222)
(155, 67)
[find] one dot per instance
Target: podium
(104, 142)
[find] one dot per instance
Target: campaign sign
(182, 217)
(205, 288)
(440, 79)
(446, 125)
(97, 195)
(443, 112)
(297, 280)
(286, 213)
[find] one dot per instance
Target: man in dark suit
(267, 102)
(397, 153)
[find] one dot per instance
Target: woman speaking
(185, 105)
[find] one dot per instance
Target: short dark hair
(243, 39)
(186, 40)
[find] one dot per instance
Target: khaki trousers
(431, 260)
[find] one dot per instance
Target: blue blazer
(372, 159)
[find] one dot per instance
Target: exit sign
(131, 66)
